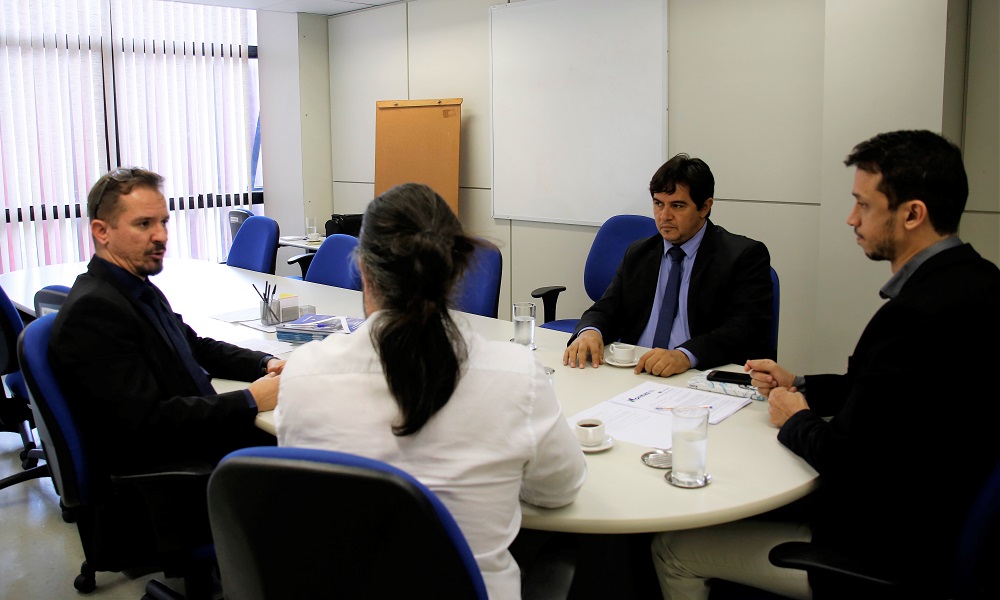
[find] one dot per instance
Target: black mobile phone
(729, 377)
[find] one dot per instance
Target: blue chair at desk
(305, 523)
(606, 253)
(478, 292)
(125, 520)
(333, 263)
(255, 246)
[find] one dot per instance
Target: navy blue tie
(668, 310)
(168, 324)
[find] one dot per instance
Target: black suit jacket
(729, 299)
(130, 390)
(913, 431)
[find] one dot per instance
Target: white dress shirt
(501, 437)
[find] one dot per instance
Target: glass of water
(690, 440)
(524, 324)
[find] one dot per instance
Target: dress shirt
(500, 438)
(681, 331)
(898, 280)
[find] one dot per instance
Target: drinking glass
(690, 440)
(524, 324)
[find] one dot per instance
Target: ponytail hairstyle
(412, 251)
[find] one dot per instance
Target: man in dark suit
(696, 294)
(136, 376)
(898, 436)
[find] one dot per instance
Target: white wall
(772, 94)
(295, 122)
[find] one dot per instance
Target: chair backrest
(237, 217)
(305, 523)
(255, 246)
(979, 543)
(334, 263)
(776, 306)
(49, 299)
(60, 435)
(478, 291)
(608, 249)
(10, 327)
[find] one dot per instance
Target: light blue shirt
(681, 331)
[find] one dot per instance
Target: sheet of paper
(660, 397)
(642, 415)
(244, 314)
(256, 324)
(643, 427)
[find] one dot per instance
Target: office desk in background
(298, 241)
(752, 473)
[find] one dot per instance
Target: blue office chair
(237, 217)
(333, 263)
(973, 565)
(478, 292)
(15, 412)
(606, 253)
(255, 246)
(306, 523)
(126, 521)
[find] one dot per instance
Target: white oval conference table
(751, 472)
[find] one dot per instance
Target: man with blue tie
(696, 294)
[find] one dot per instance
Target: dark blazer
(913, 431)
(126, 383)
(729, 299)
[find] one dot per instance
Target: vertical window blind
(89, 85)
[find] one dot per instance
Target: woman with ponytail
(476, 421)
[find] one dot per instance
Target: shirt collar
(132, 285)
(895, 284)
(691, 246)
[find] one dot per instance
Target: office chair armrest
(303, 260)
(549, 296)
(192, 470)
(817, 559)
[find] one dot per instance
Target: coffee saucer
(615, 363)
(532, 346)
(669, 477)
(607, 444)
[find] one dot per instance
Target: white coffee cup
(590, 432)
(622, 353)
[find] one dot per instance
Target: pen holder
(270, 313)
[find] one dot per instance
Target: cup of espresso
(590, 432)
(622, 353)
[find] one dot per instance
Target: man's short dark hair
(917, 165)
(102, 201)
(691, 172)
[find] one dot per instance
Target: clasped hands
(658, 361)
(776, 383)
(265, 389)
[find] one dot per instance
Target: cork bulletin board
(418, 141)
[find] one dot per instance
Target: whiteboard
(579, 107)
